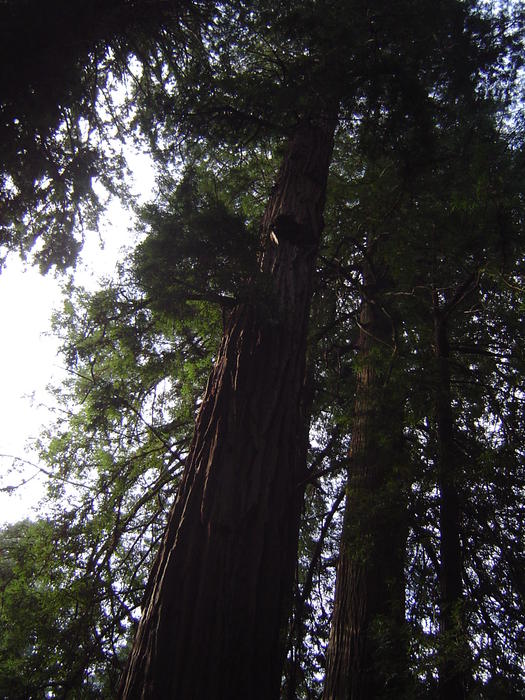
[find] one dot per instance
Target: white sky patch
(29, 359)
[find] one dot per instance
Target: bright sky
(27, 361)
(28, 353)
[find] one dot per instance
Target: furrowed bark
(454, 654)
(366, 656)
(218, 597)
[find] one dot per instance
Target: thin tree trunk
(218, 597)
(366, 654)
(454, 655)
(298, 628)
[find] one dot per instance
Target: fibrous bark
(366, 655)
(218, 597)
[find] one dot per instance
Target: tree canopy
(337, 230)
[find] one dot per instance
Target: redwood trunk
(366, 653)
(218, 597)
(454, 654)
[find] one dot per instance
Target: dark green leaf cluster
(60, 113)
(196, 251)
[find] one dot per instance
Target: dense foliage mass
(412, 402)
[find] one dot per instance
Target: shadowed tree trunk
(366, 653)
(218, 597)
(454, 655)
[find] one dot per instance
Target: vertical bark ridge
(218, 596)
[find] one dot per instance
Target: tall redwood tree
(217, 602)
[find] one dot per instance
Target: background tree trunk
(454, 655)
(218, 597)
(366, 653)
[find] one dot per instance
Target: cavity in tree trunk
(366, 655)
(218, 597)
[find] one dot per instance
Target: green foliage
(47, 646)
(426, 194)
(114, 456)
(61, 114)
(197, 251)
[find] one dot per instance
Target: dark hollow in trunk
(366, 653)
(218, 597)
